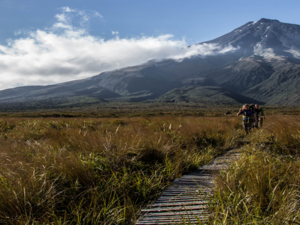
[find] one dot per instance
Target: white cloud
(115, 33)
(66, 52)
(294, 52)
(68, 14)
(61, 18)
(96, 14)
(265, 52)
(67, 9)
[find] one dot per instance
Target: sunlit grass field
(263, 187)
(83, 170)
(91, 171)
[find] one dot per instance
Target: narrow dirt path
(185, 201)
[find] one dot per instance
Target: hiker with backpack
(249, 118)
(259, 114)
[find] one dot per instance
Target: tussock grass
(91, 171)
(263, 187)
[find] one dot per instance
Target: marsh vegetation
(84, 170)
(91, 171)
(263, 187)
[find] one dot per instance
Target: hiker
(259, 114)
(248, 117)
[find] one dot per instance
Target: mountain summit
(263, 65)
(265, 37)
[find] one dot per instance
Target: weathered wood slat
(192, 190)
(178, 204)
(187, 221)
(176, 187)
(190, 214)
(176, 208)
(168, 222)
(193, 184)
(171, 218)
(178, 201)
(184, 194)
(194, 180)
(182, 191)
(176, 216)
(170, 197)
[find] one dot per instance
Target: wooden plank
(169, 221)
(194, 193)
(182, 196)
(183, 188)
(195, 189)
(178, 201)
(193, 181)
(163, 197)
(178, 204)
(197, 177)
(196, 196)
(188, 212)
(171, 218)
(196, 180)
(170, 196)
(176, 216)
(182, 191)
(176, 208)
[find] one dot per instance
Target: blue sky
(46, 42)
(196, 20)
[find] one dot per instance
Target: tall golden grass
(263, 187)
(91, 171)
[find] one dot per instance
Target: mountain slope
(243, 74)
(282, 88)
(265, 38)
(205, 95)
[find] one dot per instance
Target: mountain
(282, 87)
(262, 65)
(137, 83)
(208, 95)
(269, 69)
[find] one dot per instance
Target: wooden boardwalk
(185, 201)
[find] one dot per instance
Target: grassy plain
(132, 109)
(263, 187)
(102, 167)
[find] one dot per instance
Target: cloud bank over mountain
(66, 51)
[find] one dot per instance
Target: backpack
(251, 109)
